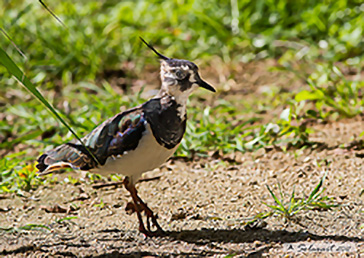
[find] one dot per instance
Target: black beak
(205, 85)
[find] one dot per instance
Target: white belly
(148, 155)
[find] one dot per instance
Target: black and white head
(179, 77)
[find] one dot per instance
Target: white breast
(148, 155)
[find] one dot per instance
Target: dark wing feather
(113, 137)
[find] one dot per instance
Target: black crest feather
(154, 50)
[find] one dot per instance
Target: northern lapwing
(137, 140)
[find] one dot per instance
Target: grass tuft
(289, 208)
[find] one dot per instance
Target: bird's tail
(47, 165)
(68, 155)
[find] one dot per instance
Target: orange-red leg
(140, 206)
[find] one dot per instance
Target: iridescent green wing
(116, 136)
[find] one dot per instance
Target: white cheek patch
(192, 78)
(168, 75)
(185, 67)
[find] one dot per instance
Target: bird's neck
(180, 99)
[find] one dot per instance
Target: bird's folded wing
(114, 137)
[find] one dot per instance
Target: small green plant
(294, 205)
(95, 177)
(101, 204)
(214, 129)
(332, 94)
(26, 227)
(287, 131)
(15, 177)
(72, 180)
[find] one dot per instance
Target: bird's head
(179, 77)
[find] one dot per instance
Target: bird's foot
(149, 233)
(151, 217)
(138, 206)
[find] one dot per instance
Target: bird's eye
(180, 74)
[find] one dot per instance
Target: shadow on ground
(204, 237)
(249, 236)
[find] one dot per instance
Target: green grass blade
(52, 13)
(12, 42)
(276, 208)
(292, 201)
(276, 200)
(13, 69)
(280, 191)
(10, 229)
(66, 218)
(317, 188)
(33, 226)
